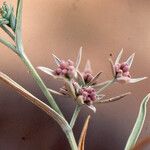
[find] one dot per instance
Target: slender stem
(8, 32)
(105, 86)
(71, 140)
(75, 115)
(40, 83)
(8, 44)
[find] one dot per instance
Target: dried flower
(121, 71)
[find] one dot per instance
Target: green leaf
(138, 124)
(55, 92)
(137, 80)
(47, 70)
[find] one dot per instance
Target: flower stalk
(75, 115)
(40, 83)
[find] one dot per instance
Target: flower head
(88, 94)
(121, 71)
(7, 16)
(65, 69)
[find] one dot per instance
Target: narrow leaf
(119, 57)
(78, 58)
(37, 102)
(99, 97)
(113, 98)
(130, 60)
(55, 92)
(138, 124)
(137, 80)
(46, 70)
(83, 134)
(100, 85)
(57, 60)
(112, 67)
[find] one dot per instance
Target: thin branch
(75, 115)
(8, 32)
(8, 44)
(105, 86)
(113, 98)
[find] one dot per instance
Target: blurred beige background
(61, 27)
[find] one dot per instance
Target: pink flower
(88, 94)
(87, 74)
(121, 71)
(65, 69)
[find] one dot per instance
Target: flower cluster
(7, 16)
(83, 87)
(121, 71)
(65, 69)
(88, 94)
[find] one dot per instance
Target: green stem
(75, 115)
(40, 83)
(8, 32)
(8, 44)
(71, 140)
(105, 86)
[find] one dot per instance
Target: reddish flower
(121, 71)
(65, 69)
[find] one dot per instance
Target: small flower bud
(65, 69)
(88, 94)
(7, 16)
